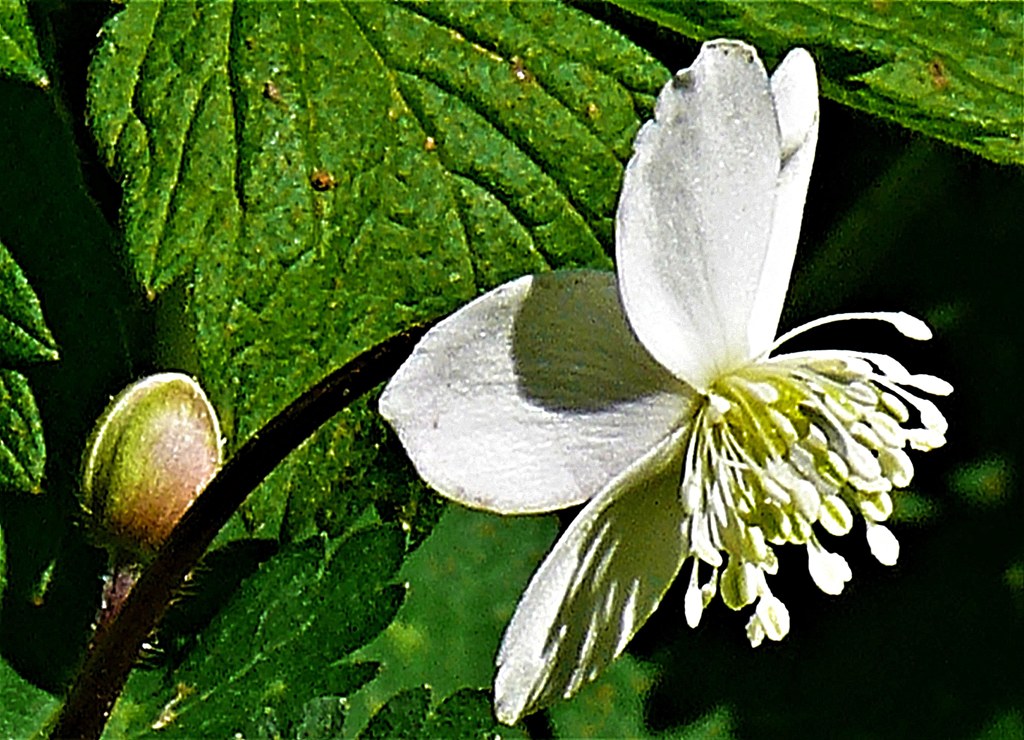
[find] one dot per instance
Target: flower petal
(600, 583)
(795, 93)
(696, 212)
(532, 397)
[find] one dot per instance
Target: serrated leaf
(470, 573)
(24, 337)
(22, 450)
(278, 644)
(950, 70)
(319, 180)
(19, 54)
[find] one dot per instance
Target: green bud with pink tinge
(152, 452)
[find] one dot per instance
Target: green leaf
(22, 450)
(611, 706)
(23, 707)
(950, 70)
(24, 337)
(305, 184)
(403, 716)
(470, 573)
(465, 714)
(19, 54)
(278, 647)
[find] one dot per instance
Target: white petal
(599, 584)
(532, 397)
(883, 543)
(696, 210)
(795, 92)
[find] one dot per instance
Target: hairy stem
(115, 647)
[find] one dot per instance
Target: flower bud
(150, 455)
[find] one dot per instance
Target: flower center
(789, 442)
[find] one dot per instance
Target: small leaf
(24, 337)
(278, 644)
(19, 54)
(22, 450)
(950, 70)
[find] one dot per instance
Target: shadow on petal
(573, 349)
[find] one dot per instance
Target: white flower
(655, 398)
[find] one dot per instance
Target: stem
(115, 647)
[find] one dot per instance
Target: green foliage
(464, 714)
(19, 55)
(611, 706)
(313, 183)
(278, 647)
(24, 339)
(295, 187)
(403, 716)
(950, 70)
(22, 449)
(23, 707)
(469, 573)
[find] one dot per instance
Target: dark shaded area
(64, 246)
(67, 32)
(932, 647)
(661, 43)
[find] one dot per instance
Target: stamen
(907, 325)
(883, 543)
(788, 444)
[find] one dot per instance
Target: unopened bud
(150, 455)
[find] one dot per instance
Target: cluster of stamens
(789, 442)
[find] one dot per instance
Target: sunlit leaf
(19, 53)
(308, 183)
(278, 645)
(950, 70)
